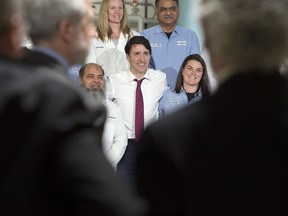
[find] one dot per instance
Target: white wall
(188, 17)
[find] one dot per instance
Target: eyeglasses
(170, 9)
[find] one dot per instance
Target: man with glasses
(170, 43)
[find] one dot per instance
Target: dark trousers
(126, 166)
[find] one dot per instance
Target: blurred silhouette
(227, 154)
(50, 157)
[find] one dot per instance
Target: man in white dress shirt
(91, 77)
(121, 87)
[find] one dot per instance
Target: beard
(96, 92)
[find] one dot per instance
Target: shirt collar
(197, 94)
(177, 30)
(52, 54)
(131, 77)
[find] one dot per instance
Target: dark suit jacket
(38, 59)
(227, 155)
(50, 163)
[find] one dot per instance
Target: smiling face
(192, 73)
(115, 11)
(93, 78)
(139, 58)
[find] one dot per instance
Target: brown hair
(204, 82)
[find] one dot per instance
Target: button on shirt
(172, 101)
(168, 54)
(122, 88)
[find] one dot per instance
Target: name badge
(155, 45)
(181, 43)
(99, 47)
(174, 102)
(111, 117)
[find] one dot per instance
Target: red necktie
(139, 111)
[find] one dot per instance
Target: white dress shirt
(121, 87)
(114, 135)
(110, 56)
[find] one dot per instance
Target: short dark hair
(204, 82)
(157, 1)
(83, 68)
(137, 40)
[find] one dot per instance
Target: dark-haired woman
(191, 85)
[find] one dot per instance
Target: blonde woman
(112, 33)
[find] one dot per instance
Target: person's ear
(12, 38)
(67, 30)
(80, 81)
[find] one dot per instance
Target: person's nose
(168, 11)
(117, 10)
(193, 72)
(95, 80)
(142, 58)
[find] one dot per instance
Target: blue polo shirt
(172, 101)
(168, 54)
